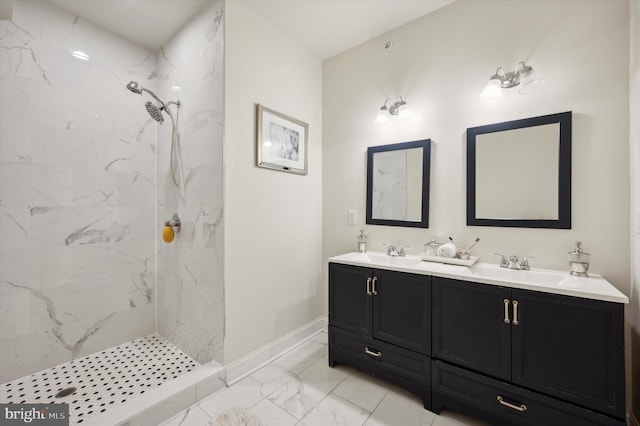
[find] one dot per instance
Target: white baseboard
(246, 365)
(325, 324)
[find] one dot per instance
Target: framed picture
(282, 142)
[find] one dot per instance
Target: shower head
(134, 87)
(155, 112)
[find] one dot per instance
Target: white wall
(439, 64)
(273, 230)
(634, 113)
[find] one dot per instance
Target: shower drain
(95, 383)
(65, 392)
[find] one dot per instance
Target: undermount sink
(495, 272)
(383, 259)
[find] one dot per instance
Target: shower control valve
(171, 227)
(175, 222)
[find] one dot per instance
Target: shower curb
(163, 402)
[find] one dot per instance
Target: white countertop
(548, 281)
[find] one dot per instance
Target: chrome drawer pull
(369, 286)
(376, 354)
(515, 312)
(520, 407)
(374, 285)
(506, 311)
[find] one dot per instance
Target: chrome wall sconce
(522, 75)
(397, 109)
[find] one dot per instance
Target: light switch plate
(352, 217)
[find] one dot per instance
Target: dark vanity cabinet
(524, 357)
(380, 322)
(506, 355)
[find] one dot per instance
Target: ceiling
(324, 27)
(150, 23)
(329, 27)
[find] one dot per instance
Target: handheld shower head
(134, 87)
(155, 112)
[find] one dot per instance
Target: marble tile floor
(299, 388)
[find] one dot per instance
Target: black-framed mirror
(519, 173)
(398, 184)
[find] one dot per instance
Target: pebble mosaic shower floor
(101, 380)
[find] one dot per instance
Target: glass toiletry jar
(431, 248)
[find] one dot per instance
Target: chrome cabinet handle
(369, 286)
(376, 354)
(374, 285)
(515, 312)
(520, 407)
(506, 311)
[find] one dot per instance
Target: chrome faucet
(524, 264)
(395, 251)
(512, 262)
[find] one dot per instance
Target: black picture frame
(425, 144)
(563, 220)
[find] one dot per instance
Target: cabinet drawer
(405, 363)
(502, 403)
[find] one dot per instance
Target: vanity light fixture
(397, 109)
(522, 75)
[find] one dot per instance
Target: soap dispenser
(579, 261)
(362, 242)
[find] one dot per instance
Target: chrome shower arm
(166, 109)
(154, 96)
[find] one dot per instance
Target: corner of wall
(634, 142)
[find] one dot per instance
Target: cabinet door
(469, 327)
(570, 348)
(349, 303)
(402, 310)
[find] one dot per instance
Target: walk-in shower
(95, 311)
(155, 111)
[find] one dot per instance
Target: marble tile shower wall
(190, 270)
(77, 190)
